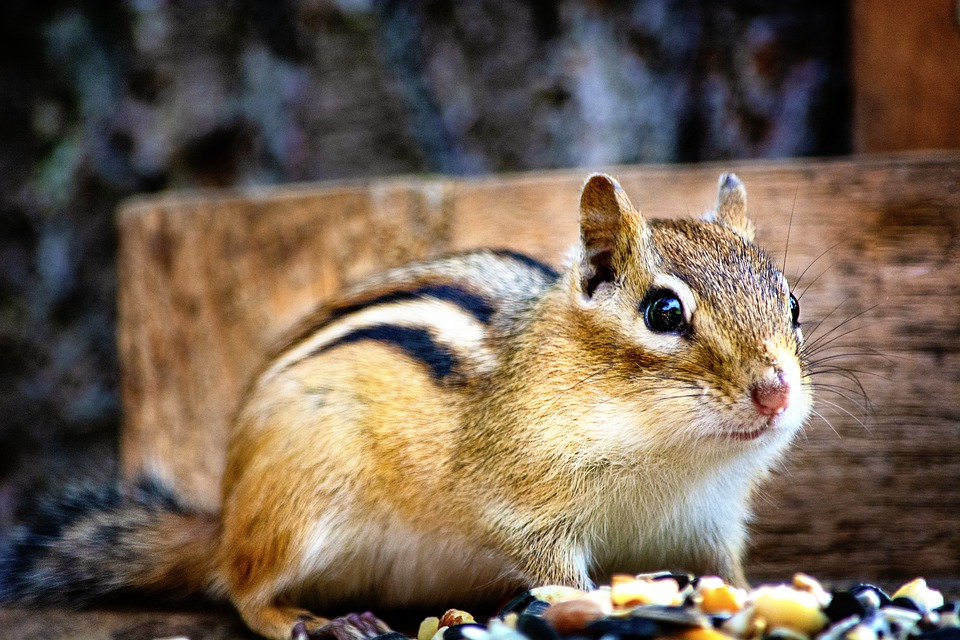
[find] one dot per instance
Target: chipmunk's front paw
(354, 626)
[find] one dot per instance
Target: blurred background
(103, 99)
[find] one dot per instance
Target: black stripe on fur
(529, 261)
(474, 304)
(416, 343)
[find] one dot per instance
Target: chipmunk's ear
(731, 208)
(610, 228)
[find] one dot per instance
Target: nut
(571, 616)
(803, 582)
(917, 590)
(453, 617)
(553, 594)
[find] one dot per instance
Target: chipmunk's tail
(93, 544)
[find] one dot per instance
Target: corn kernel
(627, 591)
(428, 628)
(715, 596)
(784, 606)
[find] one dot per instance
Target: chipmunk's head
(694, 316)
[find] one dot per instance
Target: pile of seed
(681, 607)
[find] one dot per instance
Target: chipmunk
(455, 430)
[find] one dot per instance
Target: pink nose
(771, 398)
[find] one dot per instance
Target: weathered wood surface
(201, 622)
(209, 280)
(905, 63)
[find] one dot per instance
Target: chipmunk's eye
(663, 311)
(794, 310)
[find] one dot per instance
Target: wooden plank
(209, 280)
(906, 74)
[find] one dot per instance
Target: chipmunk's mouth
(752, 431)
(746, 436)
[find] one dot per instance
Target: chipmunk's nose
(772, 396)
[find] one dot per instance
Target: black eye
(794, 310)
(663, 312)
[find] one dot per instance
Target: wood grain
(209, 280)
(905, 59)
